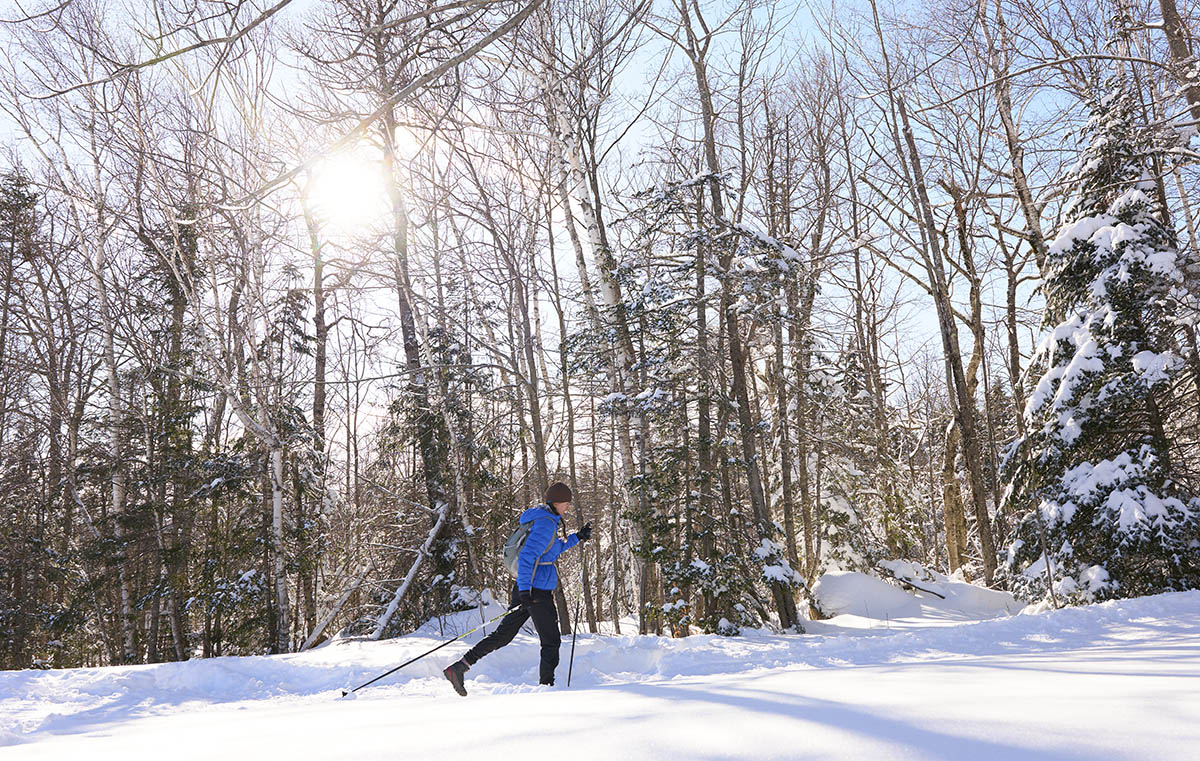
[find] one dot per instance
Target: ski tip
(348, 694)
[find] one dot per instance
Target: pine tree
(1108, 512)
(849, 500)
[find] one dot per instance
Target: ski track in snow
(1119, 680)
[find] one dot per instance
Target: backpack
(514, 545)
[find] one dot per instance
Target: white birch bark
(386, 617)
(117, 445)
(319, 629)
(283, 637)
(622, 357)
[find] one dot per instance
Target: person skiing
(537, 577)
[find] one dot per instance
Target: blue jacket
(535, 568)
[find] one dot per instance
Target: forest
(302, 302)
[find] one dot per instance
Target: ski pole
(428, 652)
(575, 620)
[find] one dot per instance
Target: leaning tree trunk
(385, 618)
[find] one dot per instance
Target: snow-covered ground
(902, 681)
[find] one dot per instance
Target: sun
(348, 194)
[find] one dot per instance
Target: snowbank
(862, 601)
(857, 594)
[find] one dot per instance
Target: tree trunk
(999, 62)
(955, 519)
(705, 461)
(116, 439)
(622, 358)
(282, 598)
(418, 380)
(309, 561)
(781, 592)
(963, 402)
(1181, 54)
(569, 409)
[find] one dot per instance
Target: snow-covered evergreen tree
(848, 541)
(1094, 475)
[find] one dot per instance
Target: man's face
(562, 507)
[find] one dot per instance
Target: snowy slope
(1113, 681)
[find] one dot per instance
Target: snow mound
(857, 594)
(856, 599)
(969, 599)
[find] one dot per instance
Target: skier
(537, 578)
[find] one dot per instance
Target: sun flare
(348, 193)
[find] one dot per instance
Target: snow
(858, 596)
(1086, 478)
(968, 600)
(1135, 508)
(780, 574)
(865, 601)
(1070, 429)
(1155, 367)
(1055, 513)
(1095, 578)
(1139, 507)
(767, 548)
(1109, 681)
(1082, 229)
(1084, 360)
(1035, 569)
(767, 241)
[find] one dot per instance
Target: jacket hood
(541, 511)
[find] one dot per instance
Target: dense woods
(303, 302)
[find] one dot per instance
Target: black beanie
(558, 492)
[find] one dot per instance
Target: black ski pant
(545, 620)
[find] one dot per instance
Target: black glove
(524, 598)
(585, 533)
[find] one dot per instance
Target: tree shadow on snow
(908, 740)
